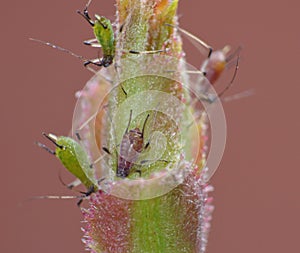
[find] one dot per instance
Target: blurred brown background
(256, 187)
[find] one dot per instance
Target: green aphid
(104, 38)
(74, 158)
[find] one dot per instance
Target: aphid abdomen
(75, 160)
(214, 66)
(105, 36)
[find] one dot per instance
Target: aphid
(75, 160)
(131, 146)
(104, 38)
(216, 62)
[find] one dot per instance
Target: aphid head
(64, 146)
(107, 60)
(136, 132)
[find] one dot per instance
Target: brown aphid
(216, 62)
(131, 146)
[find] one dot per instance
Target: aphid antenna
(58, 197)
(193, 38)
(59, 48)
(100, 157)
(243, 94)
(130, 116)
(43, 146)
(55, 197)
(153, 122)
(232, 79)
(143, 130)
(87, 4)
(65, 51)
(87, 122)
(84, 195)
(234, 54)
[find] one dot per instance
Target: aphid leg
(87, 121)
(85, 14)
(144, 52)
(197, 117)
(75, 183)
(96, 62)
(106, 150)
(153, 122)
(193, 39)
(92, 42)
(236, 96)
(43, 146)
(158, 160)
(147, 144)
(90, 191)
(209, 99)
(63, 182)
(71, 185)
(139, 171)
(80, 139)
(124, 91)
(121, 28)
(78, 136)
(79, 202)
(232, 79)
